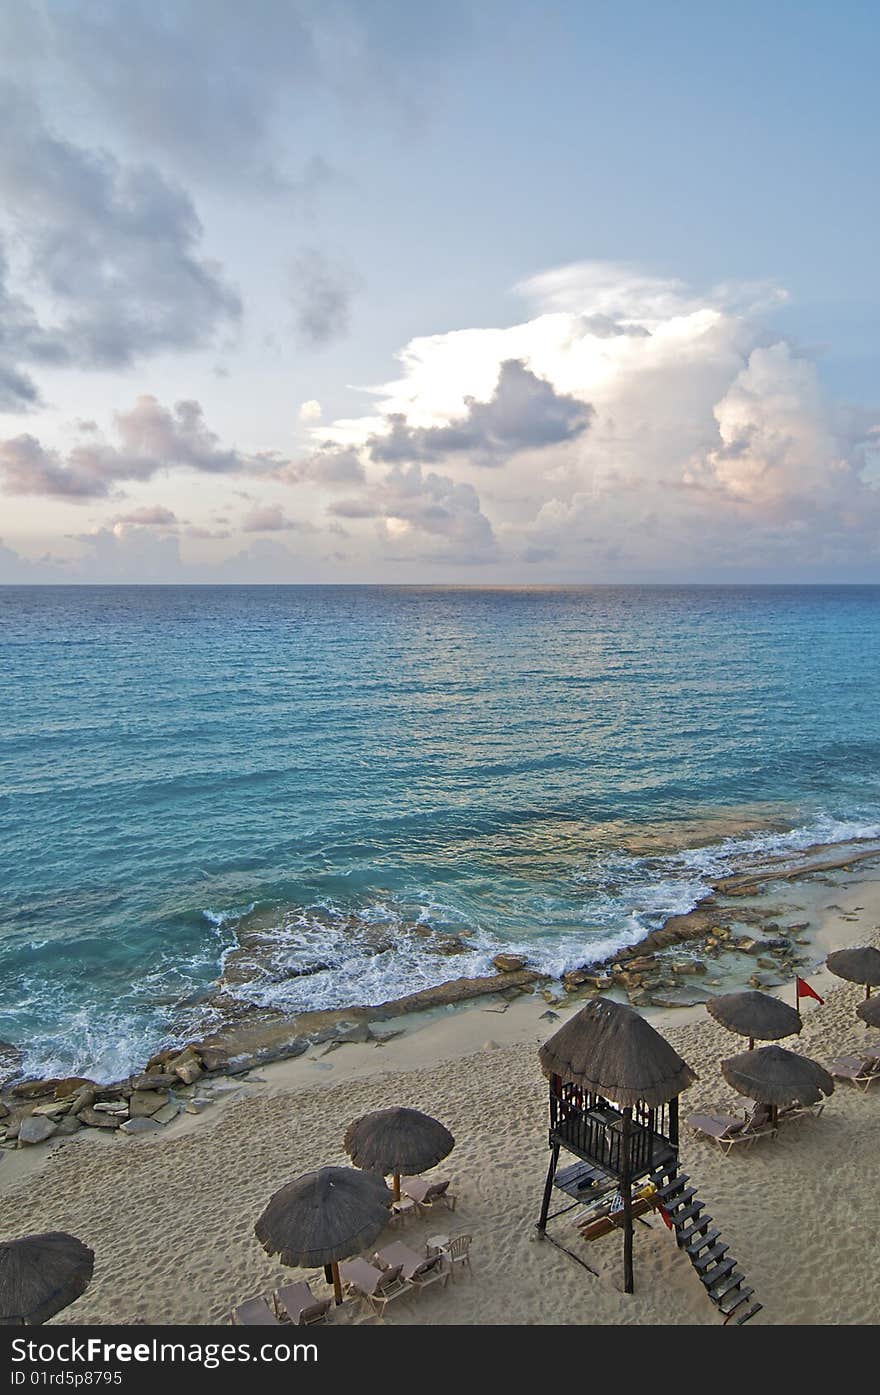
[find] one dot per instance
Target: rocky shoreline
(674, 966)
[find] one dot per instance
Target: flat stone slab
(681, 997)
(35, 1128)
(98, 1120)
(144, 1103)
(141, 1125)
(166, 1113)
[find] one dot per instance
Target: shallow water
(555, 770)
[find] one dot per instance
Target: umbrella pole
(751, 1043)
(397, 1186)
(337, 1283)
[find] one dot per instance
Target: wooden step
(714, 1276)
(677, 1184)
(680, 1199)
(690, 1232)
(725, 1290)
(756, 1308)
(701, 1242)
(734, 1300)
(663, 1177)
(687, 1214)
(723, 1278)
(701, 1262)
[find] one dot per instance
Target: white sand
(171, 1216)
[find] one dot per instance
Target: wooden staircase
(702, 1242)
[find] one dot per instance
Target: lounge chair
(800, 1111)
(727, 1130)
(299, 1305)
(860, 1070)
(399, 1256)
(430, 1271)
(254, 1312)
(427, 1194)
(376, 1287)
(414, 1268)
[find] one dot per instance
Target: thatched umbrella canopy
(40, 1275)
(323, 1217)
(859, 965)
(869, 1012)
(397, 1140)
(755, 1015)
(777, 1077)
(610, 1049)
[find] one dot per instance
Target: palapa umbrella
(859, 965)
(755, 1015)
(40, 1275)
(397, 1140)
(777, 1077)
(869, 1012)
(323, 1217)
(610, 1049)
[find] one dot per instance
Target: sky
(481, 293)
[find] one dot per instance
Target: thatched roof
(775, 1076)
(757, 1015)
(324, 1216)
(859, 965)
(612, 1050)
(397, 1140)
(40, 1275)
(869, 1011)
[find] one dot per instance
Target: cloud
(331, 466)
(310, 411)
(268, 518)
(424, 515)
(150, 516)
(639, 428)
(111, 250)
(22, 338)
(149, 438)
(322, 290)
(212, 92)
(523, 413)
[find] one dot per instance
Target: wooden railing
(591, 1127)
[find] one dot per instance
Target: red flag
(803, 990)
(664, 1215)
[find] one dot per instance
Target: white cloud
(268, 518)
(148, 438)
(310, 411)
(710, 441)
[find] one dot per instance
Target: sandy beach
(171, 1217)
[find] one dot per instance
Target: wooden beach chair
(414, 1268)
(253, 1312)
(859, 1070)
(427, 1194)
(430, 1271)
(298, 1304)
(375, 1287)
(728, 1131)
(800, 1111)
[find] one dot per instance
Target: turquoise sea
(550, 769)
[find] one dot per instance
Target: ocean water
(553, 770)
